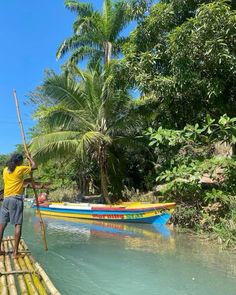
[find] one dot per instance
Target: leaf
(233, 139)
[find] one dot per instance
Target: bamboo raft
(22, 275)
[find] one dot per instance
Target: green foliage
(224, 130)
(185, 171)
(186, 216)
(52, 172)
(202, 182)
(63, 195)
(226, 230)
(180, 55)
(203, 54)
(3, 160)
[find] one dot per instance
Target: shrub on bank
(63, 195)
(199, 178)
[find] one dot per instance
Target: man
(12, 206)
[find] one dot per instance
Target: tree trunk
(107, 52)
(104, 174)
(83, 185)
(104, 182)
(79, 184)
(86, 186)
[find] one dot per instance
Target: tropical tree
(87, 115)
(97, 34)
(183, 55)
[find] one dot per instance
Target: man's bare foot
(2, 252)
(18, 255)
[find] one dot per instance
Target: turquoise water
(114, 259)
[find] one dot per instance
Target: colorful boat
(140, 212)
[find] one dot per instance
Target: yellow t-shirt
(13, 181)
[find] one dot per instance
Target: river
(128, 259)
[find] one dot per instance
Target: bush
(201, 182)
(63, 195)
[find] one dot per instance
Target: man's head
(15, 160)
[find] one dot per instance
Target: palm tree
(97, 34)
(87, 115)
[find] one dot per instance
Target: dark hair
(16, 160)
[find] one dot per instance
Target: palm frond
(83, 9)
(84, 25)
(91, 139)
(84, 52)
(71, 44)
(54, 144)
(66, 46)
(106, 18)
(120, 19)
(64, 90)
(62, 118)
(95, 61)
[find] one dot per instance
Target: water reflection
(92, 257)
(142, 237)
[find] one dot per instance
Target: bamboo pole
(20, 277)
(23, 245)
(36, 280)
(29, 276)
(3, 280)
(39, 270)
(28, 279)
(47, 281)
(16, 272)
(31, 174)
(11, 284)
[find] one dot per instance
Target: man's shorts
(12, 210)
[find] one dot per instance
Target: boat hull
(158, 214)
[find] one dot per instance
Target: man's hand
(31, 161)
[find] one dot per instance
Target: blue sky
(30, 33)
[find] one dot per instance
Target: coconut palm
(97, 35)
(87, 115)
